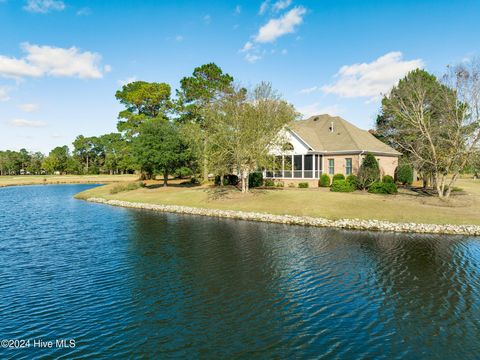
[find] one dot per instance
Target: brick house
(326, 144)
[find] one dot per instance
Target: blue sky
(61, 61)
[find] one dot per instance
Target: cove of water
(127, 283)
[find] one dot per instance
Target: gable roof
(316, 132)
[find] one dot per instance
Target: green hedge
(324, 181)
(404, 174)
(382, 188)
(338, 177)
(352, 179)
(342, 186)
(255, 179)
(303, 185)
(388, 179)
(269, 183)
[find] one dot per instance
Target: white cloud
(371, 79)
(238, 10)
(44, 6)
(28, 107)
(57, 136)
(318, 109)
(247, 47)
(281, 4)
(309, 90)
(285, 24)
(27, 123)
(52, 61)
(84, 11)
(273, 29)
(263, 7)
(179, 38)
(127, 80)
(252, 58)
(207, 18)
(4, 93)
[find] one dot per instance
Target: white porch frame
(317, 167)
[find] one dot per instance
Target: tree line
(210, 126)
(213, 126)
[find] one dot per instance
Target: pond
(125, 283)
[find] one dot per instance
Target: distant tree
(143, 101)
(207, 85)
(436, 124)
(369, 172)
(159, 149)
(35, 165)
(58, 159)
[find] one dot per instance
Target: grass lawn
(407, 206)
(62, 179)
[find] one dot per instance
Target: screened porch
(308, 166)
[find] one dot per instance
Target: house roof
(316, 132)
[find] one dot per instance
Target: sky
(61, 61)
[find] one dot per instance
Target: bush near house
(342, 186)
(255, 179)
(352, 179)
(338, 177)
(383, 188)
(404, 174)
(280, 184)
(269, 183)
(324, 181)
(369, 172)
(303, 185)
(388, 179)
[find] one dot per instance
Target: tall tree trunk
(165, 178)
(221, 179)
(205, 161)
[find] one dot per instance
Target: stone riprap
(354, 224)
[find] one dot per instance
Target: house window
(331, 166)
(348, 166)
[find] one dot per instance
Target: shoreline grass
(19, 180)
(406, 207)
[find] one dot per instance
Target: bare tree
(243, 128)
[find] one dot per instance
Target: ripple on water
(130, 283)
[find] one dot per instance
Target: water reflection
(129, 283)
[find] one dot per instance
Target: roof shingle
(317, 133)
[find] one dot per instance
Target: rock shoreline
(352, 224)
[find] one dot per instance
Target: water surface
(129, 283)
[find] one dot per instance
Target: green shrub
(338, 177)
(352, 179)
(388, 179)
(303, 185)
(324, 180)
(280, 184)
(342, 186)
(255, 179)
(228, 179)
(404, 174)
(269, 183)
(382, 188)
(194, 181)
(126, 187)
(369, 172)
